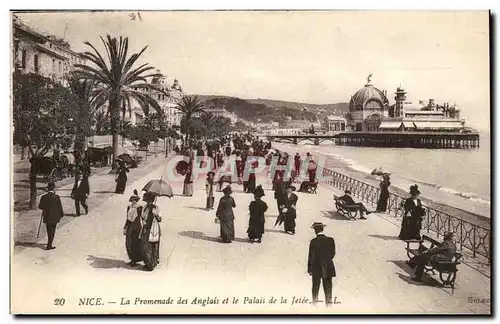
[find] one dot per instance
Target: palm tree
(88, 104)
(102, 123)
(117, 81)
(189, 107)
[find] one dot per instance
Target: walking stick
(39, 227)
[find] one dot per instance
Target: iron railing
(473, 237)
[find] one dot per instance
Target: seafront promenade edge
(372, 278)
(473, 237)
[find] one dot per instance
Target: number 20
(59, 301)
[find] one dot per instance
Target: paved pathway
(90, 262)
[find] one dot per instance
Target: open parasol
(379, 172)
(126, 158)
(159, 188)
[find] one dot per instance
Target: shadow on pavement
(105, 263)
(31, 245)
(192, 207)
(426, 279)
(334, 215)
(385, 237)
(275, 231)
(201, 236)
(104, 192)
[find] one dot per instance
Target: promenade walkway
(372, 276)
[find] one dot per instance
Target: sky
(316, 57)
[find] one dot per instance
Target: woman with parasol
(411, 224)
(225, 215)
(257, 219)
(132, 230)
(151, 233)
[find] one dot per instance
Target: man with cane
(52, 212)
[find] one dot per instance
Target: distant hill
(276, 110)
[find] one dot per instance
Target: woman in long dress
(188, 181)
(289, 209)
(384, 193)
(226, 216)
(132, 230)
(151, 232)
(251, 178)
(412, 223)
(121, 178)
(257, 218)
(209, 187)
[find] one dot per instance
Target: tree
(117, 81)
(102, 123)
(88, 103)
(44, 115)
(190, 107)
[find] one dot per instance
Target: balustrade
(468, 235)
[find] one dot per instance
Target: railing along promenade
(473, 237)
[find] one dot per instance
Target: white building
(217, 111)
(43, 54)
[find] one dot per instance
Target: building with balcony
(37, 52)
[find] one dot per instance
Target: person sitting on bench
(349, 201)
(444, 252)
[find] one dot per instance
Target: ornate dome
(368, 97)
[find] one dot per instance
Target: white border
(5, 136)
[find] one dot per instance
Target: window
(35, 63)
(23, 59)
(53, 66)
(60, 67)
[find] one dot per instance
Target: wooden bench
(447, 269)
(348, 211)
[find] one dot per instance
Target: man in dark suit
(80, 192)
(320, 263)
(349, 201)
(52, 212)
(444, 252)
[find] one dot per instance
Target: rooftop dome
(368, 97)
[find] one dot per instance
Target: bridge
(415, 139)
(316, 139)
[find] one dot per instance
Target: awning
(438, 125)
(390, 124)
(408, 124)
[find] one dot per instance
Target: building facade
(334, 123)
(169, 94)
(367, 107)
(369, 111)
(39, 53)
(218, 111)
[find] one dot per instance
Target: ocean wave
(467, 195)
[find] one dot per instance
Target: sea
(461, 173)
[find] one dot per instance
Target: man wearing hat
(320, 263)
(80, 192)
(52, 212)
(443, 252)
(349, 201)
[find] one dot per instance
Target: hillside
(277, 110)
